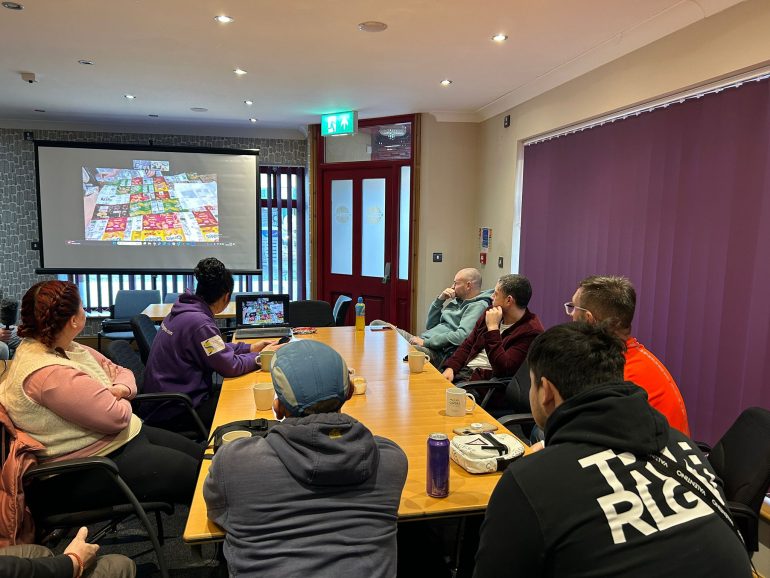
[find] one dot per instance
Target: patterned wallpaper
(18, 197)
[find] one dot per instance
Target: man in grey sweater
(319, 495)
(451, 316)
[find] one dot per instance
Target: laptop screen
(261, 310)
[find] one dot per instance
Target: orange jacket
(16, 524)
(646, 371)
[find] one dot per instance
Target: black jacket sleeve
(510, 541)
(53, 567)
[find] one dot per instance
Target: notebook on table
(261, 315)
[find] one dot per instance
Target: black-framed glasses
(569, 308)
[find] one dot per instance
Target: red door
(359, 240)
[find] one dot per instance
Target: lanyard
(685, 478)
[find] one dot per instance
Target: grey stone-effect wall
(18, 194)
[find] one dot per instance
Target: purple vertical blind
(678, 200)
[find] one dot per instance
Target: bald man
(451, 316)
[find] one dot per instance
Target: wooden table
(398, 405)
(158, 311)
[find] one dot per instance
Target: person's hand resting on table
(268, 345)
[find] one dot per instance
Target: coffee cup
(263, 396)
(266, 359)
(417, 361)
(234, 435)
(457, 402)
(359, 384)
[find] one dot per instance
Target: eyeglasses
(570, 307)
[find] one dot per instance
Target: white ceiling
(306, 57)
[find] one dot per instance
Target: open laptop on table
(261, 315)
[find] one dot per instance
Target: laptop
(259, 315)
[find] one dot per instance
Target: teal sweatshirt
(448, 325)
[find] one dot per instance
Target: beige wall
(449, 197)
(729, 41)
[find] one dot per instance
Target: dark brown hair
(46, 308)
(611, 299)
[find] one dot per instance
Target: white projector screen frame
(191, 203)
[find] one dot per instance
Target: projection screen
(116, 208)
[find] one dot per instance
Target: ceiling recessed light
(252, 120)
(153, 115)
(223, 19)
(500, 37)
(372, 26)
(248, 102)
(86, 62)
(13, 6)
(446, 82)
(129, 96)
(199, 109)
(239, 71)
(39, 110)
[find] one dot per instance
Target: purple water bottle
(437, 484)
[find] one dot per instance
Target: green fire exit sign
(345, 122)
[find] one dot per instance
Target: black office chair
(741, 458)
(127, 304)
(171, 297)
(46, 522)
(341, 308)
(310, 313)
(511, 397)
(146, 404)
(145, 331)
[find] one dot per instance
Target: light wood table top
(158, 311)
(398, 405)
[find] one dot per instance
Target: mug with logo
(417, 361)
(457, 402)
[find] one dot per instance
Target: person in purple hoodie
(189, 347)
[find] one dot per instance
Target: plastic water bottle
(360, 314)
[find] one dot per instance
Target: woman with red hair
(75, 402)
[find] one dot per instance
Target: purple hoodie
(187, 349)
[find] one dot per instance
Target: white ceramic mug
(234, 435)
(417, 361)
(266, 359)
(263, 396)
(457, 402)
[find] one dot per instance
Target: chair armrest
(488, 385)
(65, 466)
(182, 398)
(516, 419)
(703, 446)
(742, 510)
(747, 522)
(172, 398)
(116, 325)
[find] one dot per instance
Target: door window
(342, 227)
(373, 227)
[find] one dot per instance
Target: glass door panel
(373, 227)
(342, 227)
